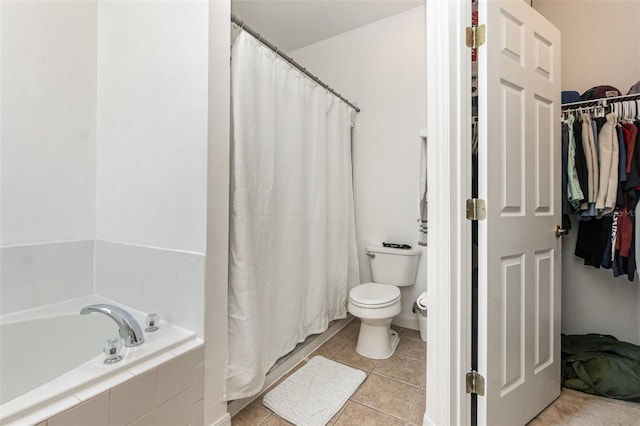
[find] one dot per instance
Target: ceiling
(291, 24)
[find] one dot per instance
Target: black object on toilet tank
(397, 245)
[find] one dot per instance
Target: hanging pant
(609, 157)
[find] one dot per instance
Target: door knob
(559, 231)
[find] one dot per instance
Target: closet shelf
(599, 102)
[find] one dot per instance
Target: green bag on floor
(601, 365)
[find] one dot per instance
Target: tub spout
(129, 328)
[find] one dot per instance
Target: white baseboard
(223, 421)
(406, 321)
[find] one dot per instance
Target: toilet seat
(374, 295)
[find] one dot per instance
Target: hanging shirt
(588, 210)
(591, 154)
(622, 166)
(625, 232)
(581, 163)
(633, 172)
(566, 206)
(574, 192)
(623, 141)
(630, 142)
(609, 251)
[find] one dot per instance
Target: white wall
(163, 99)
(47, 151)
(48, 101)
(597, 48)
(152, 123)
(595, 302)
(217, 261)
(382, 68)
(598, 43)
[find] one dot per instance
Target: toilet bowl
(376, 303)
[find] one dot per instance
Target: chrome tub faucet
(129, 329)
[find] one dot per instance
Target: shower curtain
(293, 254)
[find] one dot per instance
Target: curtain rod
(289, 59)
(600, 101)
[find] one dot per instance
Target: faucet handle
(152, 322)
(112, 350)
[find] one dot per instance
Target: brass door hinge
(476, 36)
(476, 209)
(475, 383)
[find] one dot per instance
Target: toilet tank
(393, 266)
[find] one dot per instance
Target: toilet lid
(374, 294)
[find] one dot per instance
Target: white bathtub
(52, 353)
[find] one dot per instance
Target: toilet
(377, 302)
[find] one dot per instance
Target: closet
(589, 301)
(600, 174)
(600, 283)
(592, 299)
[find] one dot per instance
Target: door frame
(449, 239)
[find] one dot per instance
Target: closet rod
(601, 101)
(289, 59)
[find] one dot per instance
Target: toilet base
(377, 341)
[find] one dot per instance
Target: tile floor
(392, 394)
(394, 391)
(575, 408)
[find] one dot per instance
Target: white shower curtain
(293, 251)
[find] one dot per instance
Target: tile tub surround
(168, 282)
(39, 274)
(392, 394)
(168, 393)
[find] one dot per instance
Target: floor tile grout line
(355, 392)
(341, 411)
(414, 359)
(380, 411)
(265, 419)
(366, 370)
(422, 378)
(396, 380)
(414, 405)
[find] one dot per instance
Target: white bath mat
(315, 393)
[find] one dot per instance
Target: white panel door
(519, 177)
